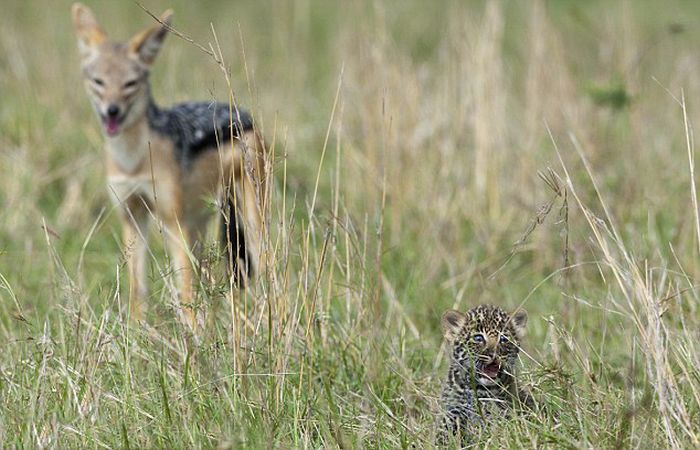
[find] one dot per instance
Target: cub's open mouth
(491, 370)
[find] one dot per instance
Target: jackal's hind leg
(252, 183)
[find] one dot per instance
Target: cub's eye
(98, 81)
(503, 339)
(130, 84)
(478, 338)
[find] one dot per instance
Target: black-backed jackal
(166, 163)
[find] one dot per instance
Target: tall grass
(537, 154)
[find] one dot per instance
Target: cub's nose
(112, 111)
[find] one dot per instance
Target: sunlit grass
(424, 159)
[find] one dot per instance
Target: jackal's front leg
(134, 235)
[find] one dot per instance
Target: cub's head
(116, 73)
(485, 343)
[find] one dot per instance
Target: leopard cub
(481, 386)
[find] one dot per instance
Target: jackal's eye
(98, 81)
(478, 338)
(130, 84)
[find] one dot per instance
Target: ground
(536, 154)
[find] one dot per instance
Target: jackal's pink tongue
(112, 126)
(492, 369)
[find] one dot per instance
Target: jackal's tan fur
(164, 172)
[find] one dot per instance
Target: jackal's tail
(238, 259)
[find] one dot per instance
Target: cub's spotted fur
(480, 384)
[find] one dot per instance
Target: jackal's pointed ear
(90, 35)
(146, 45)
(519, 320)
(452, 323)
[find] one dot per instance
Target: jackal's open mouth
(491, 370)
(111, 125)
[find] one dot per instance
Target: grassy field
(518, 153)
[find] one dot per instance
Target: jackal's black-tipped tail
(233, 240)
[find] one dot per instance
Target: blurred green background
(429, 197)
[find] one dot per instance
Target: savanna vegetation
(426, 156)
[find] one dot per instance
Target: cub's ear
(519, 320)
(452, 323)
(90, 35)
(146, 44)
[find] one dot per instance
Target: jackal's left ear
(146, 45)
(90, 35)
